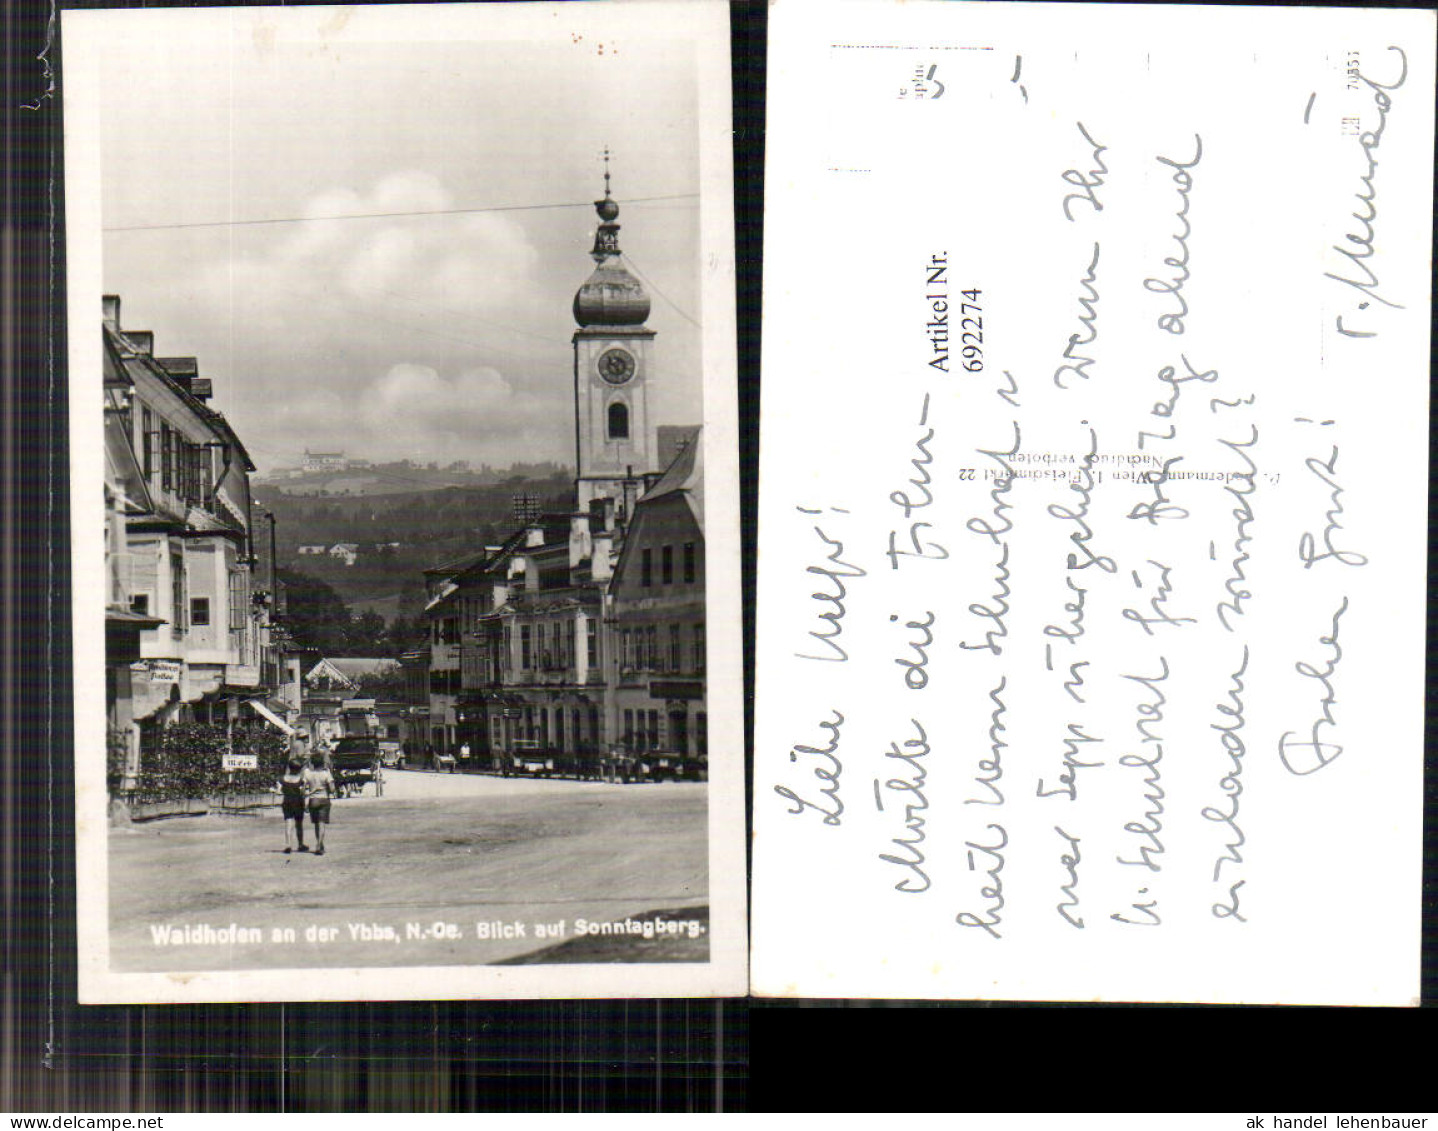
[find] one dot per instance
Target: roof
(351, 669)
(122, 469)
(131, 356)
(684, 476)
(446, 590)
(457, 565)
(485, 559)
(201, 521)
(125, 616)
(354, 667)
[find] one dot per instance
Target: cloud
(388, 338)
(475, 414)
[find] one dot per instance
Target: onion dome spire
(611, 296)
(606, 237)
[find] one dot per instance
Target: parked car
(624, 765)
(532, 761)
(670, 765)
(391, 754)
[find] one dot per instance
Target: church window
(619, 421)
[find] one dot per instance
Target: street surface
(419, 877)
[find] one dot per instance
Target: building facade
(538, 674)
(323, 461)
(615, 436)
(580, 640)
(655, 617)
(197, 643)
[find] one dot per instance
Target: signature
(1070, 861)
(1172, 321)
(993, 765)
(836, 571)
(993, 891)
(1147, 830)
(1082, 485)
(1307, 547)
(827, 771)
(1077, 363)
(1001, 524)
(1232, 786)
(908, 504)
(1243, 512)
(916, 676)
(1068, 780)
(1307, 757)
(1087, 183)
(1360, 242)
(1157, 605)
(912, 790)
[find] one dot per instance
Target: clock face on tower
(616, 366)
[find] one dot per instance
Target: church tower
(614, 435)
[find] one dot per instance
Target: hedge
(188, 763)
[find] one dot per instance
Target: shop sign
(676, 689)
(160, 671)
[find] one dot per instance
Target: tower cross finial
(606, 170)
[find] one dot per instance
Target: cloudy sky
(429, 337)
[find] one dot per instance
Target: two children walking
(303, 788)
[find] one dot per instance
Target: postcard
(1090, 661)
(405, 491)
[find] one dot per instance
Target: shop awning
(258, 705)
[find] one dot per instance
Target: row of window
(550, 646)
(690, 557)
(558, 729)
(194, 612)
(185, 468)
(533, 727)
(671, 648)
(642, 732)
(444, 682)
(446, 630)
(661, 648)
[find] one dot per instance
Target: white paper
(1090, 658)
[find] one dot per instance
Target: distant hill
(402, 478)
(430, 526)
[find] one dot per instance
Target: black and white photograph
(404, 475)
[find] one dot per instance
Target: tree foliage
(318, 617)
(314, 613)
